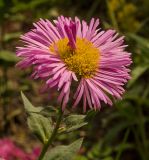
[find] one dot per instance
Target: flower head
(71, 50)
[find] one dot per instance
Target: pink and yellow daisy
(70, 50)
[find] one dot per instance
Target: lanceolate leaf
(74, 122)
(28, 106)
(64, 152)
(49, 111)
(38, 124)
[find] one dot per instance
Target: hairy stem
(46, 146)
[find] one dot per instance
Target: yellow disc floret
(83, 60)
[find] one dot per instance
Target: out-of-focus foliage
(117, 133)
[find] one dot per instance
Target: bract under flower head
(70, 50)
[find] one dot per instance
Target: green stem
(112, 16)
(138, 143)
(121, 148)
(46, 146)
(142, 130)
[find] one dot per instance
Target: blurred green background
(117, 133)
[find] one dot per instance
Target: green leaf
(64, 152)
(124, 146)
(115, 130)
(95, 151)
(140, 40)
(38, 124)
(74, 122)
(1, 3)
(49, 111)
(136, 73)
(10, 36)
(91, 114)
(28, 105)
(8, 56)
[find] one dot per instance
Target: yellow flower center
(83, 60)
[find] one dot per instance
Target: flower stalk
(53, 135)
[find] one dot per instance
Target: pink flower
(9, 151)
(71, 51)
